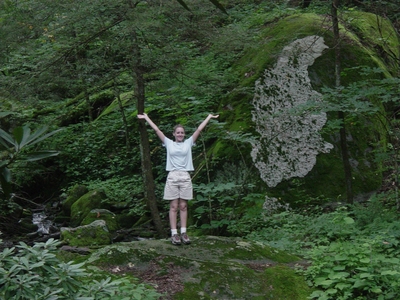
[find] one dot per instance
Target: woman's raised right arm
(159, 133)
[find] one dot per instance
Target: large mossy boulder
(73, 195)
(366, 40)
(102, 214)
(81, 208)
(93, 234)
(209, 268)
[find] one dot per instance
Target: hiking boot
(185, 239)
(175, 239)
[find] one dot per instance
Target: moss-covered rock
(367, 40)
(211, 267)
(82, 207)
(94, 234)
(102, 214)
(74, 194)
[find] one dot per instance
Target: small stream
(40, 220)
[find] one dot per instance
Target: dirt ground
(167, 283)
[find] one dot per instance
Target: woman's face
(179, 134)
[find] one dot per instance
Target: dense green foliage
(77, 64)
(70, 66)
(13, 147)
(353, 251)
(73, 83)
(37, 273)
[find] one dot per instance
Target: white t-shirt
(179, 155)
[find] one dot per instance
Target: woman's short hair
(178, 126)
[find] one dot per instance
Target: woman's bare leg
(183, 212)
(173, 213)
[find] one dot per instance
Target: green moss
(212, 267)
(368, 41)
(82, 207)
(237, 106)
(273, 39)
(244, 250)
(102, 214)
(93, 234)
(378, 35)
(221, 281)
(285, 283)
(261, 251)
(74, 194)
(122, 254)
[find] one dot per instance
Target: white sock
(183, 230)
(174, 231)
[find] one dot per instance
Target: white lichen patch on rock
(243, 244)
(289, 129)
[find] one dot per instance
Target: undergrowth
(353, 250)
(35, 272)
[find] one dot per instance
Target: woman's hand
(142, 116)
(213, 116)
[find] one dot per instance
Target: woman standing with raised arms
(178, 188)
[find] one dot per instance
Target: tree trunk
(147, 171)
(341, 114)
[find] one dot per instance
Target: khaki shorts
(178, 186)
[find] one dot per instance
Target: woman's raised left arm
(202, 125)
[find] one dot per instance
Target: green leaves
(364, 96)
(348, 268)
(351, 259)
(22, 137)
(35, 272)
(13, 145)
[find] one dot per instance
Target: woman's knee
(183, 205)
(173, 205)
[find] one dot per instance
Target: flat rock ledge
(209, 268)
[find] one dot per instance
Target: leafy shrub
(328, 227)
(354, 250)
(374, 213)
(215, 204)
(36, 273)
(251, 218)
(355, 269)
(228, 205)
(119, 189)
(285, 231)
(95, 151)
(298, 231)
(13, 147)
(223, 208)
